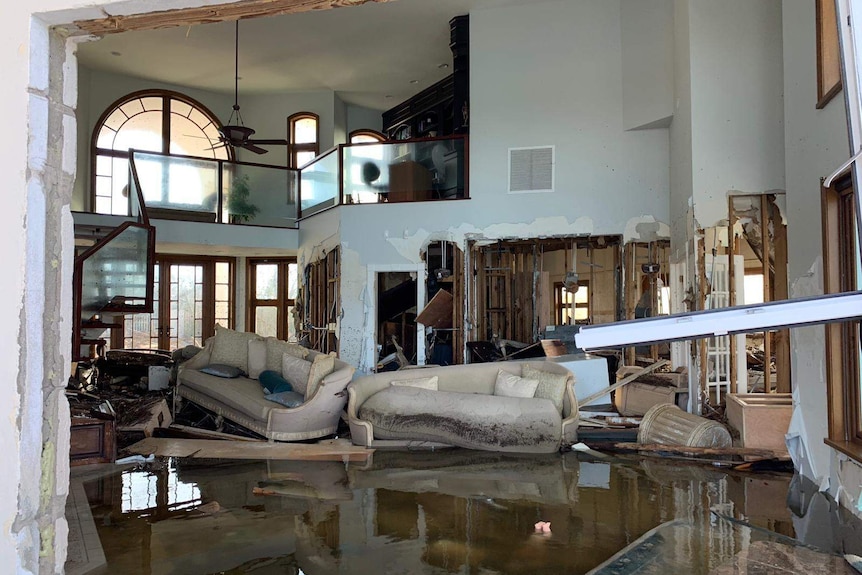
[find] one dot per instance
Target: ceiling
(374, 55)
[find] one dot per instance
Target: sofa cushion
(241, 394)
(276, 348)
(272, 382)
(322, 366)
(429, 383)
(511, 385)
(468, 420)
(222, 370)
(551, 385)
(256, 357)
(286, 398)
(231, 347)
(295, 371)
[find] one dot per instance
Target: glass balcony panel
(319, 184)
(404, 171)
(178, 188)
(116, 274)
(259, 195)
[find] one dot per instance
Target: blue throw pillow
(221, 370)
(272, 382)
(286, 398)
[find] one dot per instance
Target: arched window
(366, 137)
(149, 120)
(304, 130)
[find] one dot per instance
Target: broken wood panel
(458, 304)
(225, 449)
(701, 304)
(781, 292)
(733, 249)
(766, 244)
(209, 14)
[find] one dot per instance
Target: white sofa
(242, 401)
(462, 412)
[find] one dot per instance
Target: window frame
(559, 304)
(828, 51)
(167, 96)
(844, 404)
(282, 304)
(294, 149)
(379, 136)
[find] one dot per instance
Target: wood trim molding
(209, 14)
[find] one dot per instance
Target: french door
(272, 290)
(192, 294)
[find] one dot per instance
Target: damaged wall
(816, 143)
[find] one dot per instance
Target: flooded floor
(453, 511)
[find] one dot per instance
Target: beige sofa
(241, 400)
(462, 412)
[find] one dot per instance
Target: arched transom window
(154, 121)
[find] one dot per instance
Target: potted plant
(238, 206)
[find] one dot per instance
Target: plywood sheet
(337, 450)
(438, 312)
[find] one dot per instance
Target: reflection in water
(454, 511)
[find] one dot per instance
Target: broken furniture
(647, 390)
(92, 440)
(667, 424)
(761, 419)
(386, 409)
(241, 399)
(591, 376)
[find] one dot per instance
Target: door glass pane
(292, 282)
(266, 282)
(222, 297)
(266, 321)
(141, 330)
(186, 305)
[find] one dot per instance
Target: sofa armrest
(323, 409)
(199, 360)
(571, 414)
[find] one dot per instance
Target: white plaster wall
(359, 118)
(648, 59)
(681, 178)
(736, 95)
(816, 143)
(339, 135)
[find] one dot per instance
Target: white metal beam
(739, 319)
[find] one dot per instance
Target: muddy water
(442, 512)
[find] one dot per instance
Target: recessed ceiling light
(388, 96)
(115, 53)
(443, 66)
(414, 81)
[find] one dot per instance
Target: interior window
(304, 138)
(366, 137)
(273, 287)
(152, 121)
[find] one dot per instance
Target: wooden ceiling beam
(209, 14)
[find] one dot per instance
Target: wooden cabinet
(92, 441)
(409, 182)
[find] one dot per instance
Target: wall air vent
(531, 170)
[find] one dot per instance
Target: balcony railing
(403, 171)
(196, 189)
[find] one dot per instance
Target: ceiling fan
(239, 135)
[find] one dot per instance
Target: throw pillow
(221, 370)
(272, 382)
(429, 383)
(551, 385)
(322, 366)
(295, 371)
(275, 348)
(256, 357)
(510, 385)
(231, 347)
(286, 398)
